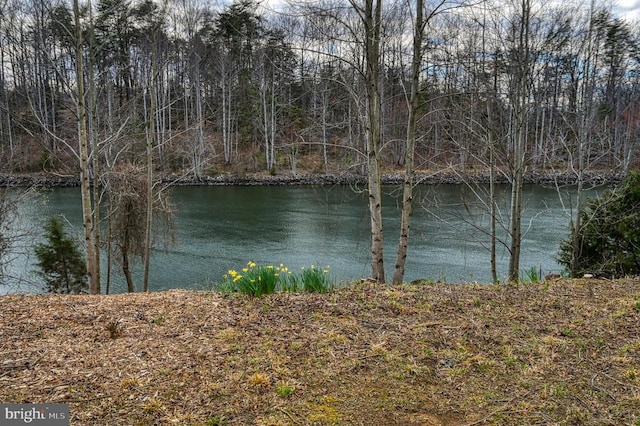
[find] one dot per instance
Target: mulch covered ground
(565, 352)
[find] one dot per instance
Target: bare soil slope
(565, 352)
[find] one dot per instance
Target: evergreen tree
(60, 261)
(609, 235)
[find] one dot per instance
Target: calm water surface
(219, 228)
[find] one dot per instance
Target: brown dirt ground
(564, 352)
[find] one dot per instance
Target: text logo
(34, 414)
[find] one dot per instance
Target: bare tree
(358, 30)
(156, 16)
(7, 10)
(88, 221)
(407, 192)
(371, 15)
(129, 202)
(10, 236)
(518, 95)
(414, 106)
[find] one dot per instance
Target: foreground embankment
(562, 352)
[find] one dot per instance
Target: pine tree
(609, 234)
(60, 262)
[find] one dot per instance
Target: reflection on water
(224, 227)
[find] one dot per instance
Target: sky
(628, 9)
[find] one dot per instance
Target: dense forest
(243, 88)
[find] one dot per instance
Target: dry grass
(371, 355)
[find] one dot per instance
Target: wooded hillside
(241, 88)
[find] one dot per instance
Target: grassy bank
(566, 352)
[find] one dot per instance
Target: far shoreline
(444, 177)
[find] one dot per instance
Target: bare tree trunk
(93, 130)
(83, 141)
(519, 99)
(199, 149)
(226, 144)
(407, 190)
(6, 132)
(227, 110)
(149, 212)
(151, 137)
(492, 158)
(265, 119)
(131, 288)
(109, 251)
(273, 122)
(493, 218)
(324, 99)
(516, 223)
(584, 118)
(372, 17)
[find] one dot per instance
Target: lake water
(222, 227)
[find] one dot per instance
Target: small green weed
(560, 391)
(512, 361)
(631, 373)
(153, 405)
(532, 275)
(216, 421)
(285, 390)
(224, 286)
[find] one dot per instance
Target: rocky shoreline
(436, 178)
